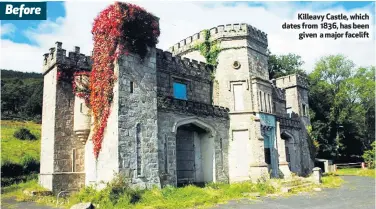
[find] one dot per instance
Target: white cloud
(7, 29)
(179, 20)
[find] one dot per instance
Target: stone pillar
(281, 144)
(316, 175)
(258, 167)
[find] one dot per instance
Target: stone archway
(195, 153)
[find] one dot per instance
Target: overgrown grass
(170, 197)
(121, 196)
(13, 149)
(331, 181)
(357, 172)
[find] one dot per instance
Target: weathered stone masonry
(231, 124)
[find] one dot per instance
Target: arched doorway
(194, 152)
(290, 150)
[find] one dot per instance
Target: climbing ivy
(209, 49)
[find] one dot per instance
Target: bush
(24, 134)
(369, 156)
(29, 164)
(11, 169)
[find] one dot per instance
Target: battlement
(292, 81)
(219, 32)
(289, 121)
(57, 56)
(185, 66)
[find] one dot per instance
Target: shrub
(369, 156)
(11, 169)
(24, 134)
(29, 164)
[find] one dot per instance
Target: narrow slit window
(73, 160)
(81, 108)
(287, 154)
(165, 155)
(221, 148)
(131, 86)
(261, 101)
(138, 149)
(304, 110)
(265, 105)
(267, 155)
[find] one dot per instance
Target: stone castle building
(176, 120)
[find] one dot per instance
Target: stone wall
(48, 127)
(138, 142)
(196, 75)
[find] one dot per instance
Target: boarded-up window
(180, 91)
(238, 97)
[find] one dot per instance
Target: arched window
(265, 108)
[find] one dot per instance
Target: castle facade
(177, 120)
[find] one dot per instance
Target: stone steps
(290, 188)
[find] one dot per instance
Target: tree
(284, 65)
(342, 102)
(21, 94)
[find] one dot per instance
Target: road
(356, 193)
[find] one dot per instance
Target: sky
(23, 43)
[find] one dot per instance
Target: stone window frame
(187, 82)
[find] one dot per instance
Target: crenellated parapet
(184, 67)
(289, 121)
(293, 80)
(221, 32)
(191, 107)
(58, 56)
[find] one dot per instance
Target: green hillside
(13, 149)
(21, 95)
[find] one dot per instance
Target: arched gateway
(195, 151)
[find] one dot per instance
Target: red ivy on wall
(119, 29)
(81, 86)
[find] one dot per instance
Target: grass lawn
(13, 149)
(357, 172)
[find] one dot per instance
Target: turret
(296, 88)
(82, 117)
(62, 152)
